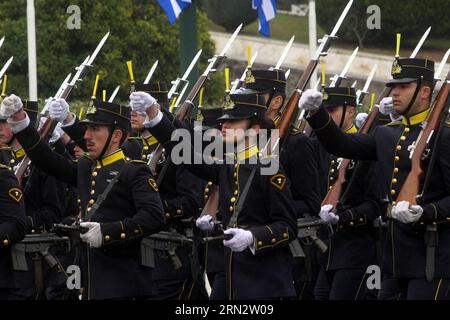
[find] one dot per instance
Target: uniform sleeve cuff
(17, 126)
(151, 123)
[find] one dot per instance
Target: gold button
(94, 173)
(285, 235)
(93, 183)
(330, 188)
(399, 148)
(403, 138)
(206, 197)
(236, 183)
(207, 190)
(143, 157)
(78, 200)
(394, 203)
(179, 211)
(12, 161)
(136, 231)
(107, 238)
(332, 161)
(167, 215)
(392, 191)
(331, 178)
(91, 201)
(122, 235)
(274, 240)
(232, 200)
(235, 192)
(421, 223)
(145, 148)
(260, 243)
(394, 180)
(33, 231)
(92, 191)
(361, 219)
(407, 129)
(434, 223)
(231, 208)
(395, 170)
(98, 167)
(235, 166)
(235, 175)
(397, 158)
(5, 242)
(209, 183)
(351, 223)
(332, 170)
(89, 209)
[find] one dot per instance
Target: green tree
(230, 13)
(139, 32)
(410, 18)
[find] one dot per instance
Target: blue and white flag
(173, 8)
(266, 12)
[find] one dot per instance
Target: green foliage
(140, 32)
(230, 13)
(410, 18)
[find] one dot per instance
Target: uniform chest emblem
(278, 180)
(15, 194)
(152, 183)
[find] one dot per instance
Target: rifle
(308, 228)
(50, 124)
(164, 241)
(60, 228)
(334, 194)
(40, 245)
(188, 104)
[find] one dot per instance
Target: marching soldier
(351, 248)
(405, 253)
(119, 199)
(258, 260)
(12, 220)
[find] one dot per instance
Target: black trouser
(218, 284)
(414, 289)
(343, 284)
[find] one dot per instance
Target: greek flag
(173, 8)
(266, 12)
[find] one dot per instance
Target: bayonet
(6, 66)
(113, 95)
(419, 45)
(361, 93)
(286, 75)
(437, 75)
(97, 50)
(175, 84)
(285, 52)
(1, 41)
(337, 80)
(150, 73)
(60, 90)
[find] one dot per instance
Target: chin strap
(111, 130)
(416, 92)
(341, 123)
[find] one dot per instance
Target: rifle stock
(410, 188)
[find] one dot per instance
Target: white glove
(240, 241)
(56, 134)
(386, 105)
(204, 223)
(58, 110)
(140, 101)
(405, 213)
(328, 216)
(10, 105)
(360, 119)
(310, 100)
(93, 236)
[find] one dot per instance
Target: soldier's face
(234, 131)
(6, 133)
(96, 137)
(402, 95)
(137, 121)
(337, 112)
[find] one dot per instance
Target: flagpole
(31, 35)
(312, 37)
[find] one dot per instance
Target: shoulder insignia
(153, 184)
(15, 194)
(2, 166)
(278, 180)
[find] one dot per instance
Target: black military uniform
(12, 224)
(351, 248)
(267, 212)
(131, 210)
(298, 160)
(405, 251)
